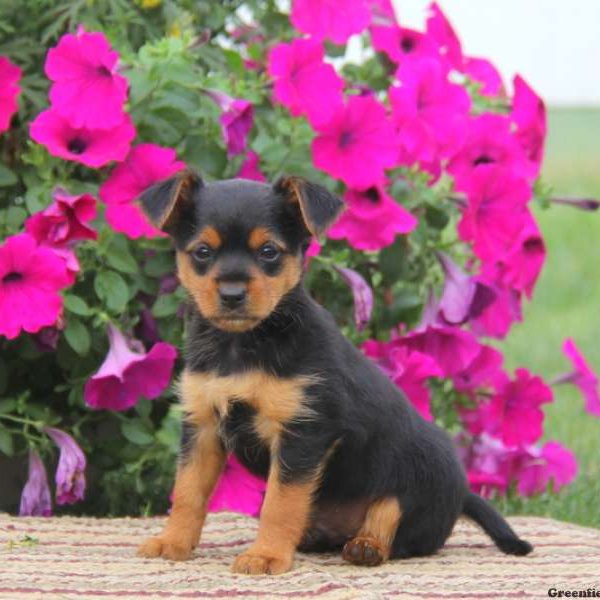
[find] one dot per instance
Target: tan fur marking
(258, 237)
(283, 520)
(276, 400)
(381, 523)
(194, 483)
(209, 236)
(203, 290)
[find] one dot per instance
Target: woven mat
(95, 558)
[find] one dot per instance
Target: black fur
(377, 444)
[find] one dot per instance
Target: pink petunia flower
(529, 114)
(489, 141)
(497, 319)
(35, 497)
(70, 472)
(452, 349)
(125, 376)
(304, 83)
(403, 45)
(522, 264)
(485, 73)
(237, 118)
(145, 165)
(441, 32)
(372, 220)
(10, 75)
(30, 279)
(496, 213)
(583, 377)
(64, 221)
(250, 168)
(514, 413)
(87, 92)
(357, 144)
(409, 370)
(362, 294)
(429, 111)
(552, 463)
(330, 19)
(91, 147)
(238, 490)
(484, 371)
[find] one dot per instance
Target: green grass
(567, 304)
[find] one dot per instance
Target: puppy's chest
(244, 403)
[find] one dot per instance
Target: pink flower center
(483, 159)
(12, 277)
(76, 146)
(372, 195)
(533, 245)
(104, 71)
(346, 138)
(408, 44)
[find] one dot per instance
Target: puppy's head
(240, 243)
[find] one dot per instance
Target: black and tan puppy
(350, 464)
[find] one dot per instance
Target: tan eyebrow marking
(209, 236)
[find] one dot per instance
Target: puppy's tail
(493, 523)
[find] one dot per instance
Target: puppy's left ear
(318, 207)
(171, 202)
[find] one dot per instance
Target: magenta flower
(407, 369)
(403, 45)
(357, 144)
(145, 165)
(91, 147)
(496, 213)
(64, 221)
(430, 112)
(489, 141)
(125, 376)
(485, 73)
(497, 319)
(529, 114)
(464, 297)
(330, 19)
(372, 220)
(35, 497)
(303, 82)
(10, 75)
(521, 266)
(238, 490)
(30, 279)
(250, 168)
(442, 33)
(70, 472)
(514, 414)
(484, 371)
(452, 349)
(552, 463)
(237, 118)
(362, 294)
(583, 377)
(87, 92)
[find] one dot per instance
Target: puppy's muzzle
(232, 295)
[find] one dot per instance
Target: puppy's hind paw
(158, 546)
(364, 551)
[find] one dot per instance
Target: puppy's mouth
(235, 322)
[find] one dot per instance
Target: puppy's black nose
(232, 295)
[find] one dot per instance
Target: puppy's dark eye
(202, 253)
(268, 253)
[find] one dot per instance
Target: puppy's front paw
(363, 551)
(159, 546)
(256, 564)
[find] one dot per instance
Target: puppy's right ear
(170, 204)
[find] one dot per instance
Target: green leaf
(7, 177)
(77, 305)
(15, 217)
(7, 405)
(119, 256)
(160, 264)
(166, 305)
(206, 155)
(112, 290)
(6, 442)
(136, 433)
(77, 336)
(3, 377)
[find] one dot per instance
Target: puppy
(350, 465)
